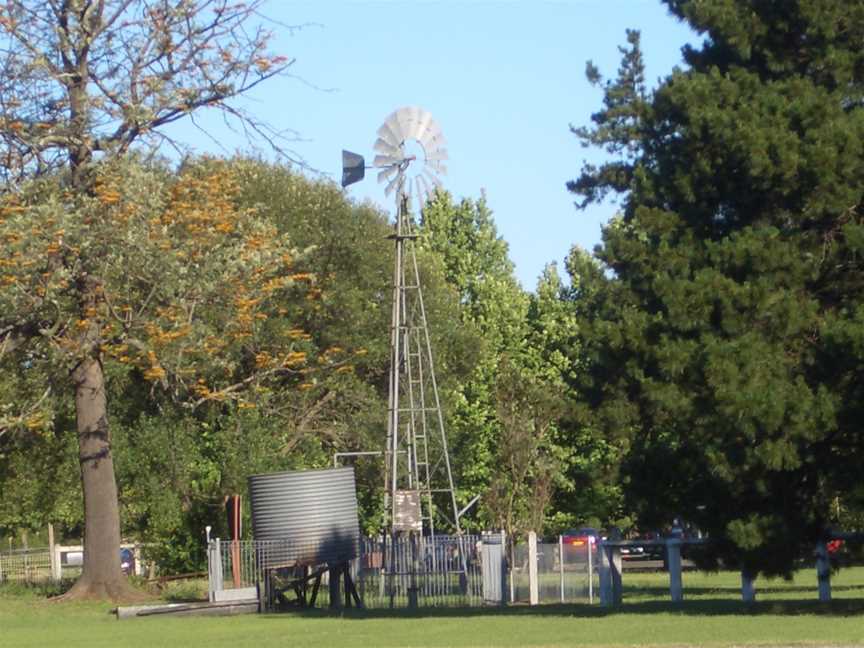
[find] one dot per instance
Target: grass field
(711, 615)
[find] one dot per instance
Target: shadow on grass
(733, 590)
(716, 607)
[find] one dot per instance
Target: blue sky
(503, 79)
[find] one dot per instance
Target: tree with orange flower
(86, 81)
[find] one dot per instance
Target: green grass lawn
(711, 615)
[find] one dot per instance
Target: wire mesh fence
(29, 566)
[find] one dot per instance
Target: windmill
(410, 154)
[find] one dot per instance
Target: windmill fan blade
(414, 116)
(440, 142)
(387, 173)
(423, 124)
(421, 181)
(386, 160)
(436, 183)
(432, 136)
(438, 155)
(386, 148)
(403, 118)
(422, 191)
(391, 132)
(392, 184)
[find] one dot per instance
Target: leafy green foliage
(724, 353)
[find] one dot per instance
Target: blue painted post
(823, 571)
(673, 558)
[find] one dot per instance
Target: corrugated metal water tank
(308, 517)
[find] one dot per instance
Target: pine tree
(732, 349)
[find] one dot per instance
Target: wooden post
(823, 571)
(673, 559)
(335, 573)
(532, 568)
(591, 547)
(748, 587)
(53, 556)
(137, 557)
(25, 541)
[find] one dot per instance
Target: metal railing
(445, 571)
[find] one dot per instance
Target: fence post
(605, 575)
(509, 556)
(823, 571)
(748, 587)
(57, 562)
(211, 580)
(215, 568)
(532, 568)
(615, 569)
(52, 561)
(591, 547)
(561, 562)
(673, 559)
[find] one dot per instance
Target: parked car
(582, 538)
(650, 550)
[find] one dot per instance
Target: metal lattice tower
(418, 460)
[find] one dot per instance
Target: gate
(493, 562)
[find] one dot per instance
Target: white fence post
(561, 563)
(591, 546)
(52, 555)
(823, 571)
(673, 559)
(605, 575)
(56, 563)
(214, 569)
(532, 568)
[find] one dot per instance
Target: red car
(582, 538)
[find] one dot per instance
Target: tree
(726, 348)
(475, 264)
(561, 344)
(521, 489)
(84, 81)
(197, 300)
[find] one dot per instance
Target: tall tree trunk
(101, 576)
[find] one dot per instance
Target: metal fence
(565, 573)
(444, 571)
